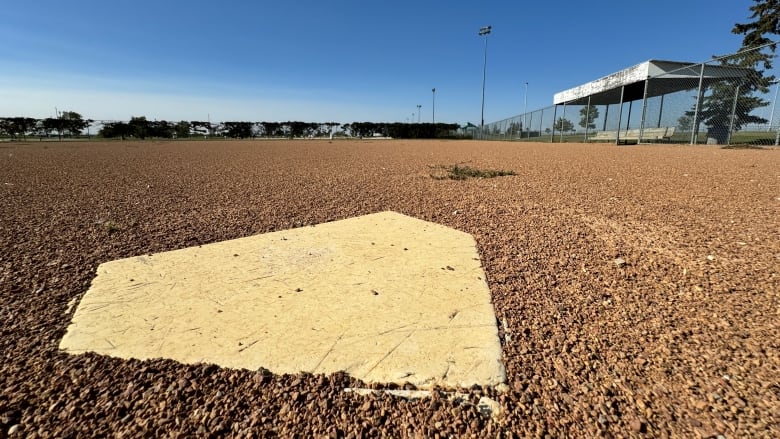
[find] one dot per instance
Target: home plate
(384, 297)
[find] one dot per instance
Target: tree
(766, 14)
(271, 129)
(73, 124)
(685, 122)
(116, 129)
(515, 128)
(54, 124)
(160, 128)
(182, 129)
(238, 130)
(563, 125)
(588, 115)
(139, 126)
(753, 60)
(17, 126)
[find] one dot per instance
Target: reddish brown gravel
(636, 288)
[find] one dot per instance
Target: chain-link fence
(726, 100)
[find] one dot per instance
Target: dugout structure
(645, 81)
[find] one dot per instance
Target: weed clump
(111, 227)
(458, 172)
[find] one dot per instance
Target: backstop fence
(726, 100)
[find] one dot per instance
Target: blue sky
(343, 60)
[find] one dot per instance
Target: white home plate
(384, 297)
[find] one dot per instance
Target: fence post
(555, 113)
(644, 112)
(620, 114)
(733, 112)
(563, 117)
(695, 132)
(587, 119)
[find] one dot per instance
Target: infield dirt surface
(637, 288)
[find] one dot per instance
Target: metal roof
(667, 77)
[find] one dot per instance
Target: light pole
(418, 112)
(525, 110)
(484, 31)
(433, 106)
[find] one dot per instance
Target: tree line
(68, 123)
(71, 124)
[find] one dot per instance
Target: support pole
(733, 115)
(620, 114)
(587, 118)
(644, 112)
(563, 117)
(699, 95)
(628, 118)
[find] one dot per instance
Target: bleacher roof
(667, 77)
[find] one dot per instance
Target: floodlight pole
(418, 112)
(484, 31)
(525, 111)
(433, 106)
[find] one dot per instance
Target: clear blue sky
(342, 60)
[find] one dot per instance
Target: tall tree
(736, 96)
(588, 115)
(766, 16)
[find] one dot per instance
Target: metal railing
(725, 100)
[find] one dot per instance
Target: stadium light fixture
(484, 31)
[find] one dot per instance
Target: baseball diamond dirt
(636, 288)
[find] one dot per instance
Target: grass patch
(111, 227)
(458, 172)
